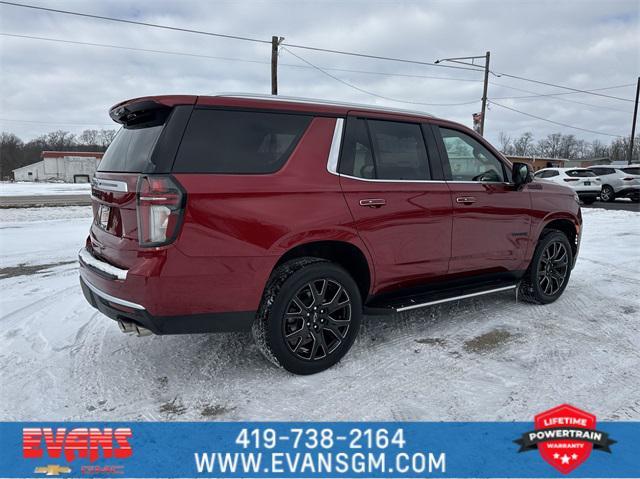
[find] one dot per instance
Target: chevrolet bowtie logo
(52, 470)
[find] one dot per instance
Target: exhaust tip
(129, 327)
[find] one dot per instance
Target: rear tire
(548, 274)
(307, 330)
(607, 194)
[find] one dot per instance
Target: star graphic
(565, 459)
(574, 456)
(556, 456)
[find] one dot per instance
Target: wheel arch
(346, 254)
(569, 226)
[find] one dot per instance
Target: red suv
(293, 218)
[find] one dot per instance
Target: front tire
(309, 317)
(548, 274)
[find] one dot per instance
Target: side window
(356, 158)
(553, 173)
(228, 141)
(540, 174)
(469, 160)
(399, 150)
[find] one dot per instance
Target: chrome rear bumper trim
(88, 259)
(112, 299)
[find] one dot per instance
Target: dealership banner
(317, 449)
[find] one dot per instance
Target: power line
(355, 87)
(291, 45)
(577, 90)
(261, 62)
(134, 22)
(222, 35)
(552, 121)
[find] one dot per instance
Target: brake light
(570, 179)
(160, 209)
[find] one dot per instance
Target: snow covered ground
(24, 188)
(487, 358)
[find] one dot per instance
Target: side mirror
(521, 175)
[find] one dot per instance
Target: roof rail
(294, 99)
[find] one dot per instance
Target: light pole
(464, 61)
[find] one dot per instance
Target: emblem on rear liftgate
(565, 437)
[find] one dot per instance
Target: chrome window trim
(336, 143)
(369, 180)
(113, 299)
(87, 258)
(110, 185)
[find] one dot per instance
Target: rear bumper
(122, 310)
(589, 194)
(106, 290)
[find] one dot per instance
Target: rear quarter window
(580, 173)
(632, 170)
(240, 142)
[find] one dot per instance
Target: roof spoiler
(141, 110)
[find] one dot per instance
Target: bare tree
(523, 146)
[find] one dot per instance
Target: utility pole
(484, 92)
(462, 61)
(275, 43)
(633, 123)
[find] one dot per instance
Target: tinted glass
(634, 170)
(221, 141)
(356, 158)
(580, 173)
(469, 160)
(399, 150)
(552, 173)
(130, 150)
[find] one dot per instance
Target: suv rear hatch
(137, 205)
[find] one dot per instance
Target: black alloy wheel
(550, 269)
(317, 319)
(309, 316)
(553, 267)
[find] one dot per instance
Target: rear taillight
(570, 179)
(160, 207)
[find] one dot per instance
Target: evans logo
(92, 443)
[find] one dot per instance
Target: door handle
(373, 202)
(466, 200)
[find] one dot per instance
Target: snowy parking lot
(488, 358)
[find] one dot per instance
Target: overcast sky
(46, 85)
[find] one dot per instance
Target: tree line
(557, 145)
(15, 153)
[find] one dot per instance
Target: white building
(67, 166)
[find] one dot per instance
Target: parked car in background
(618, 182)
(295, 217)
(583, 181)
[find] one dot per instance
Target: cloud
(583, 44)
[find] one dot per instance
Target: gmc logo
(77, 443)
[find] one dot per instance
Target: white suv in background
(583, 181)
(619, 182)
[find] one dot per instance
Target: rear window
(632, 171)
(223, 141)
(580, 173)
(130, 151)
